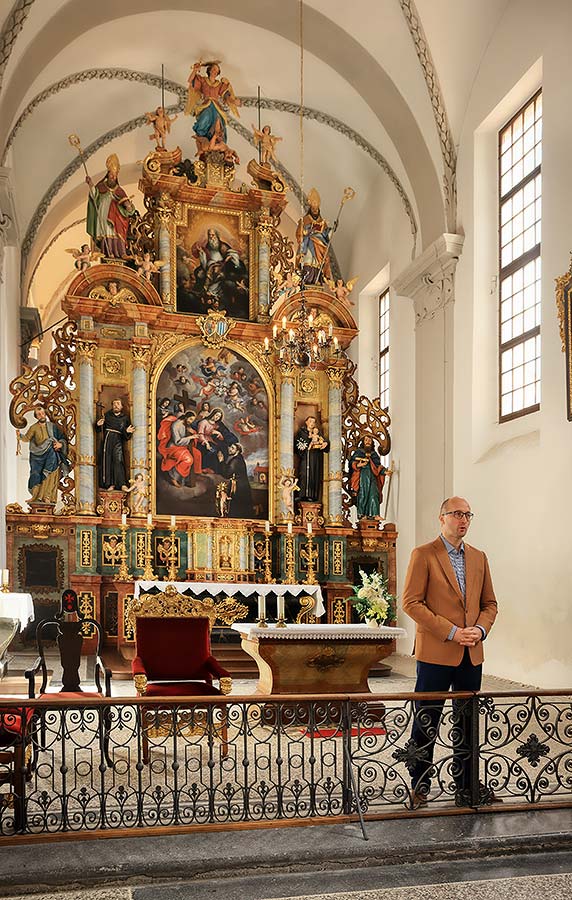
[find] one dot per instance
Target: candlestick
(262, 623)
(310, 555)
(123, 573)
(280, 611)
(289, 560)
(148, 573)
(5, 581)
(172, 553)
(267, 556)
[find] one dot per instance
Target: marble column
(140, 403)
(85, 466)
(286, 430)
(429, 282)
(263, 230)
(335, 380)
(165, 210)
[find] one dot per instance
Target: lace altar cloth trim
(216, 588)
(320, 632)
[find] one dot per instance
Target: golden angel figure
(146, 267)
(342, 290)
(84, 256)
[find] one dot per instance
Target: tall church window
(520, 159)
(384, 349)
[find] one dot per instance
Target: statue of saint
(108, 212)
(313, 237)
(310, 446)
(367, 477)
(48, 457)
(209, 100)
(117, 429)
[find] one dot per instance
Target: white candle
(267, 528)
(261, 606)
(266, 344)
(124, 518)
(149, 519)
(280, 607)
(283, 323)
(289, 527)
(173, 521)
(5, 576)
(309, 528)
(274, 331)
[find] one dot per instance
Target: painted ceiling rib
(11, 28)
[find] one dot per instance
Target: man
(48, 457)
(108, 211)
(449, 594)
(117, 429)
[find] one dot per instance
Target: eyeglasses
(460, 514)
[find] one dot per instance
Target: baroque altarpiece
(189, 444)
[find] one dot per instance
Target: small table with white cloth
(16, 610)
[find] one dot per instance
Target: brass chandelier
(303, 345)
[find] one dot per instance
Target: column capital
(86, 351)
(429, 279)
(141, 354)
(336, 375)
(287, 373)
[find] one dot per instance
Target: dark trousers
(433, 678)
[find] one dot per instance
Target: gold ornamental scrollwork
(336, 376)
(287, 372)
(53, 386)
(171, 603)
(215, 328)
(86, 549)
(161, 343)
(85, 459)
(562, 283)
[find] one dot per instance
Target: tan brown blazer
(433, 599)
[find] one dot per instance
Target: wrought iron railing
(69, 767)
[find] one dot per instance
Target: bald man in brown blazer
(449, 594)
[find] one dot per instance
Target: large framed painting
(214, 262)
(211, 435)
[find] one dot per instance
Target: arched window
(520, 157)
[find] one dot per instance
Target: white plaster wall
(516, 474)
(383, 217)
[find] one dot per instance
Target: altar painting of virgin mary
(211, 418)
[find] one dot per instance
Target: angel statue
(146, 267)
(84, 256)
(289, 484)
(267, 142)
(161, 122)
(340, 290)
(209, 99)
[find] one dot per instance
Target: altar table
(16, 610)
(246, 589)
(316, 659)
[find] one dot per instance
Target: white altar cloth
(17, 606)
(319, 632)
(247, 589)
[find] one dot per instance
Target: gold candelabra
(148, 573)
(123, 574)
(267, 559)
(172, 573)
(310, 555)
(289, 559)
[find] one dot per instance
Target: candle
(267, 528)
(309, 528)
(310, 320)
(124, 518)
(266, 345)
(5, 576)
(275, 332)
(261, 606)
(330, 329)
(283, 323)
(335, 343)
(149, 519)
(173, 521)
(291, 335)
(280, 608)
(289, 527)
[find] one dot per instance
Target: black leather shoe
(419, 798)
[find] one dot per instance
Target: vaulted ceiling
(386, 84)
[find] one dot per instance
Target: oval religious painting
(211, 429)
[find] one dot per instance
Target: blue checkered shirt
(457, 558)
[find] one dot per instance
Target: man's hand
(88, 181)
(99, 422)
(57, 445)
(130, 429)
(468, 637)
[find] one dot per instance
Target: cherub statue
(138, 491)
(340, 290)
(161, 122)
(289, 485)
(84, 257)
(267, 142)
(147, 267)
(113, 293)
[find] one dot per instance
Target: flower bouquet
(372, 599)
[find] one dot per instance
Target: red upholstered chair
(15, 758)
(173, 657)
(68, 630)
